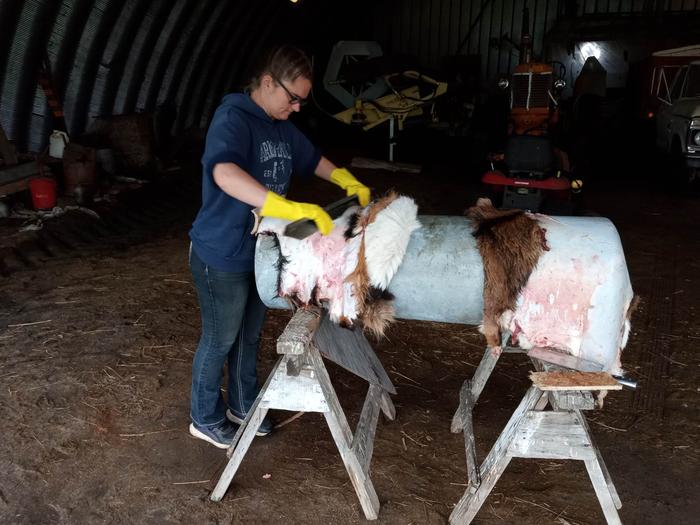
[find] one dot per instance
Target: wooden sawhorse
(532, 432)
(300, 382)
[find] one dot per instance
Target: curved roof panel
(122, 56)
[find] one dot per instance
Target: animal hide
(557, 283)
(349, 270)
(510, 242)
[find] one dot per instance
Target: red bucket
(43, 190)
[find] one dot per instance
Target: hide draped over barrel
(348, 270)
(576, 300)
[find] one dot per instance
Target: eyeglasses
(293, 99)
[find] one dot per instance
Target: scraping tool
(302, 228)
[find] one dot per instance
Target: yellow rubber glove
(345, 180)
(277, 206)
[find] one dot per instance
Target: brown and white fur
(349, 270)
(510, 242)
(559, 283)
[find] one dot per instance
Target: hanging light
(590, 49)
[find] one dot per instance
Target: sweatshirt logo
(276, 157)
(271, 150)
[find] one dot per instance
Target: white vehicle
(678, 121)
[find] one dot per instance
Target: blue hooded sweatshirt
(270, 151)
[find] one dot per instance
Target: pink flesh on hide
(553, 308)
(330, 249)
(321, 262)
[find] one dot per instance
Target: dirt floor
(98, 330)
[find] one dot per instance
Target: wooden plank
(363, 441)
(469, 504)
(253, 408)
(309, 388)
(387, 406)
(504, 439)
(340, 430)
(543, 402)
(299, 331)
(466, 406)
(604, 469)
(351, 350)
(601, 490)
(329, 393)
(482, 374)
(362, 484)
(573, 400)
(242, 440)
(294, 363)
(457, 424)
(559, 434)
(244, 436)
(297, 393)
(494, 464)
(567, 399)
(574, 380)
(551, 435)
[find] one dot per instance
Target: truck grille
(538, 92)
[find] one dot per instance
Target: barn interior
(104, 111)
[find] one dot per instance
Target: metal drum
(576, 299)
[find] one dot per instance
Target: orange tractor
(530, 167)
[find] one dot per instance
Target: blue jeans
(232, 318)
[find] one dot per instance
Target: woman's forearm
(237, 183)
(324, 169)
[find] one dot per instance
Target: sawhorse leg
(462, 419)
(300, 381)
(532, 432)
(494, 464)
(243, 439)
(476, 385)
(356, 452)
(597, 471)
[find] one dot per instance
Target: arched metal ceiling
(122, 56)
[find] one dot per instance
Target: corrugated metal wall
(121, 56)
(635, 6)
(433, 29)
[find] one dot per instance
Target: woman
(250, 153)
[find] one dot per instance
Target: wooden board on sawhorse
(471, 389)
(531, 432)
(491, 357)
(300, 382)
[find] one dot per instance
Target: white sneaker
(221, 436)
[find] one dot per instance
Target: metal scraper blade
(565, 360)
(302, 228)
